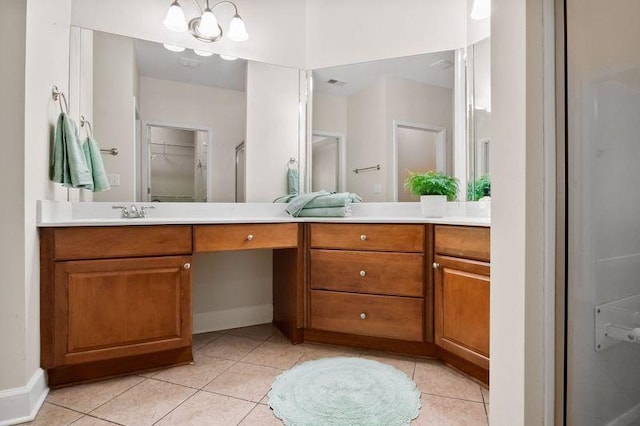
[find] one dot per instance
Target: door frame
(342, 157)
(441, 148)
(145, 154)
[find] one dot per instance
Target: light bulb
(175, 20)
(173, 48)
(237, 30)
(208, 26)
(228, 58)
(202, 52)
(481, 10)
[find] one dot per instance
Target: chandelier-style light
(205, 27)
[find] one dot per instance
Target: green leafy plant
(477, 189)
(432, 183)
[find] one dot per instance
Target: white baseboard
(628, 418)
(232, 318)
(19, 405)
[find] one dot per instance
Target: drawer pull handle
(363, 273)
(436, 265)
(187, 265)
(363, 316)
(249, 237)
(363, 237)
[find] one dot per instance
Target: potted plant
(434, 189)
(479, 188)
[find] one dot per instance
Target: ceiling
(359, 76)
(187, 67)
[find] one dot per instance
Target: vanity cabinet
(114, 300)
(367, 280)
(462, 285)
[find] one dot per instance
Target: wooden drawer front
(404, 238)
(121, 241)
(399, 274)
(463, 241)
(122, 307)
(245, 236)
(386, 316)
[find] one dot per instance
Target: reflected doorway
(328, 162)
(418, 148)
(240, 173)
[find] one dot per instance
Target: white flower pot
(433, 205)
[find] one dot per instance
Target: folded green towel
(338, 199)
(68, 163)
(96, 166)
(326, 212)
(299, 202)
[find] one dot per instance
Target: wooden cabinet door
(462, 308)
(107, 309)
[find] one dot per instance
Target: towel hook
(292, 162)
(83, 122)
(59, 96)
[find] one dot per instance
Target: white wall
(272, 129)
(222, 110)
(276, 27)
(114, 89)
(340, 32)
(329, 113)
(37, 59)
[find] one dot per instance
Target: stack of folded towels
(322, 204)
(75, 164)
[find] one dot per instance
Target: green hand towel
(293, 181)
(68, 163)
(96, 166)
(339, 199)
(326, 212)
(299, 202)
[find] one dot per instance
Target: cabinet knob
(363, 316)
(363, 273)
(187, 265)
(363, 237)
(436, 265)
(250, 237)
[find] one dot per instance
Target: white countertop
(63, 214)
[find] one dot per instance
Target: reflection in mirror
(392, 116)
(175, 116)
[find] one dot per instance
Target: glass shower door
(603, 216)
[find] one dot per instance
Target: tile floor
(229, 381)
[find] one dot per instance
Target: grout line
(452, 397)
(66, 408)
(176, 407)
(247, 415)
(236, 397)
(99, 418)
(144, 379)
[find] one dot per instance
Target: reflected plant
(478, 188)
(432, 183)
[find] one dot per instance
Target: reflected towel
(326, 212)
(293, 181)
(68, 163)
(96, 166)
(338, 199)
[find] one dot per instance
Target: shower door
(603, 213)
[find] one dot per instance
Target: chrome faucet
(133, 212)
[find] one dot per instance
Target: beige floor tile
(435, 378)
(485, 394)
(244, 381)
(230, 347)
(92, 421)
(201, 339)
(144, 404)
(258, 332)
(196, 375)
(438, 410)
(261, 416)
(316, 351)
(265, 400)
(282, 356)
(208, 409)
(85, 398)
(402, 363)
(278, 338)
(52, 415)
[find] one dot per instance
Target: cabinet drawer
(403, 238)
(399, 274)
(126, 241)
(245, 236)
(384, 316)
(463, 241)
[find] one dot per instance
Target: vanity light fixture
(481, 10)
(202, 52)
(205, 27)
(173, 48)
(228, 58)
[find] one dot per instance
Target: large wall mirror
(179, 118)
